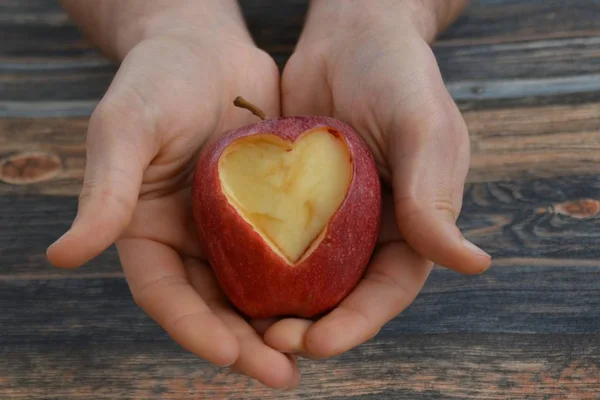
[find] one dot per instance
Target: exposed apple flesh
(288, 212)
(287, 191)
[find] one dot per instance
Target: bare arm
(116, 26)
(442, 12)
(429, 17)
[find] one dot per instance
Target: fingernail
(475, 249)
(58, 240)
(54, 244)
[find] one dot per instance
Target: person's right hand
(173, 91)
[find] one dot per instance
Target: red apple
(288, 212)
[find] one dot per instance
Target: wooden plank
(519, 88)
(277, 28)
(526, 299)
(38, 61)
(528, 102)
(506, 144)
(484, 21)
(518, 70)
(517, 332)
(53, 85)
(48, 109)
(419, 367)
(557, 218)
(520, 60)
(11, 7)
(500, 21)
(536, 141)
(56, 87)
(28, 225)
(63, 139)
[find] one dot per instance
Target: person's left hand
(373, 68)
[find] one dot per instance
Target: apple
(288, 212)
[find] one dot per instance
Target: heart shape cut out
(287, 191)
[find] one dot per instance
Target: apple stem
(243, 103)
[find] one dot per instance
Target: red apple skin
(254, 278)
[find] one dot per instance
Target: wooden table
(526, 74)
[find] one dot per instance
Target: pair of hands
(370, 67)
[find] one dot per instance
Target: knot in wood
(29, 167)
(579, 209)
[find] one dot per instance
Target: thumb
(118, 151)
(430, 161)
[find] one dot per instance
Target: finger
(256, 359)
(390, 285)
(118, 149)
(171, 223)
(296, 378)
(288, 335)
(160, 286)
(429, 160)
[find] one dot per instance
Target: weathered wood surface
(536, 219)
(540, 141)
(527, 77)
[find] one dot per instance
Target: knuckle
(404, 291)
(387, 279)
(126, 107)
(410, 210)
(123, 112)
(406, 207)
(172, 323)
(447, 207)
(107, 197)
(87, 190)
(144, 296)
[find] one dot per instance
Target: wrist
(425, 17)
(117, 26)
(432, 17)
(216, 20)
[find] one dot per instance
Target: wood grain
(29, 168)
(531, 299)
(30, 25)
(28, 225)
(535, 218)
(63, 140)
(506, 144)
(499, 21)
(45, 60)
(478, 72)
(529, 59)
(555, 218)
(416, 367)
(534, 141)
(96, 344)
